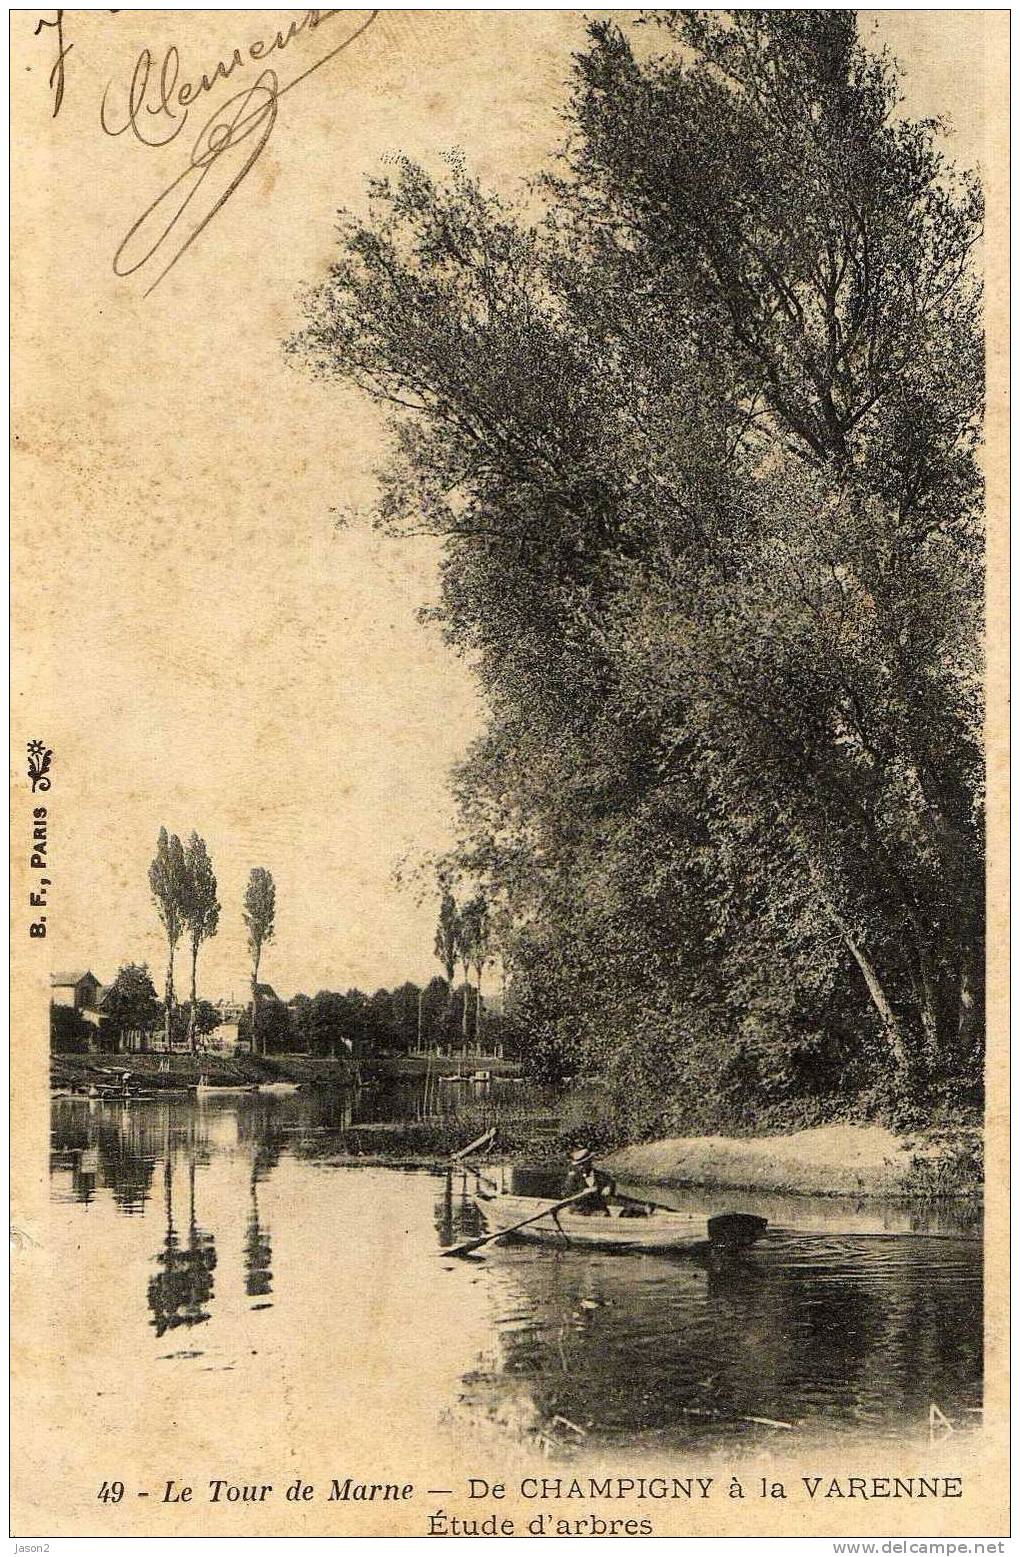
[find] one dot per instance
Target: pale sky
(193, 637)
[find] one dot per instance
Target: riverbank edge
(177, 1071)
(186, 1069)
(904, 1196)
(866, 1161)
(844, 1161)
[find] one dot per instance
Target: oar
(504, 1232)
(483, 1140)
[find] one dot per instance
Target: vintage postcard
(508, 773)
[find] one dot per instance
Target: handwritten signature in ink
(156, 107)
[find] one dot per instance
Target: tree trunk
(255, 1004)
(478, 1009)
(930, 1014)
(169, 1007)
(969, 1015)
(451, 973)
(929, 1005)
(193, 1013)
(464, 1028)
(890, 1021)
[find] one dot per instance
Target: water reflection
(104, 1144)
(801, 1334)
(258, 1248)
(182, 1287)
(812, 1332)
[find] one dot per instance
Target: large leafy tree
(329, 1022)
(406, 1005)
(700, 447)
(131, 1001)
(436, 1004)
(202, 1020)
(822, 247)
(276, 1027)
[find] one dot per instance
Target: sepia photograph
(508, 770)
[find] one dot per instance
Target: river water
(221, 1257)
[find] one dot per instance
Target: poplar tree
(259, 919)
(168, 881)
(201, 916)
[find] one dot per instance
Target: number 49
(111, 1492)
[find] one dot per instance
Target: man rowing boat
(583, 1174)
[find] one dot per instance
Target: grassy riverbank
(863, 1162)
(838, 1159)
(531, 1136)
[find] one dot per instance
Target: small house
(79, 990)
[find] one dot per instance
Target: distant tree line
(325, 1025)
(396, 1020)
(184, 891)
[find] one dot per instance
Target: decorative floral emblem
(39, 759)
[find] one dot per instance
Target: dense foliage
(69, 1032)
(132, 1003)
(186, 1030)
(700, 444)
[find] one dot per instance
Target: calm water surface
(217, 1248)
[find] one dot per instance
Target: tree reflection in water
(180, 1291)
(825, 1330)
(456, 1215)
(258, 1248)
(104, 1144)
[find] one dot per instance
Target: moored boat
(658, 1232)
(206, 1089)
(280, 1088)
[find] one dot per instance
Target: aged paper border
(44, 1508)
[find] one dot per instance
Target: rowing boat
(659, 1232)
